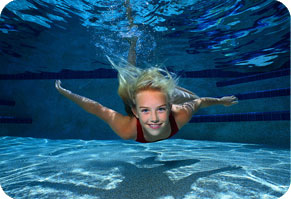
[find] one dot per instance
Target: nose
(154, 117)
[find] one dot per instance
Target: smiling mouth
(154, 126)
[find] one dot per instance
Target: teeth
(154, 125)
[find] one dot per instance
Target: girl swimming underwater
(156, 107)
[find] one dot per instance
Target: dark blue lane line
(243, 117)
(11, 119)
(212, 73)
(7, 103)
(257, 77)
(64, 74)
(235, 117)
(262, 94)
(102, 73)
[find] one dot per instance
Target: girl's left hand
(229, 100)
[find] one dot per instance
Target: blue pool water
(50, 148)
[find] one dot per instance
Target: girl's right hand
(58, 84)
(59, 88)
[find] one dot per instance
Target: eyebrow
(148, 107)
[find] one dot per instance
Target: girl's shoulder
(124, 126)
(130, 129)
(181, 114)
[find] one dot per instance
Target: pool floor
(175, 168)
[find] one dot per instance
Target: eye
(144, 110)
(162, 109)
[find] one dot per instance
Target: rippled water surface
(41, 168)
(50, 35)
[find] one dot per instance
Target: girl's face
(152, 110)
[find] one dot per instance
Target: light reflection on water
(231, 34)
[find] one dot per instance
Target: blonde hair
(133, 80)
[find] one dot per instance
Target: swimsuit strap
(174, 126)
(140, 136)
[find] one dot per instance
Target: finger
(234, 98)
(58, 83)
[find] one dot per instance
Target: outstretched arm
(121, 125)
(209, 101)
(184, 112)
(87, 104)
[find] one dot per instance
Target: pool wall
(55, 117)
(31, 106)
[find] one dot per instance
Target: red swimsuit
(140, 137)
